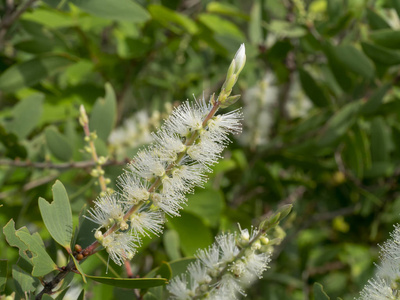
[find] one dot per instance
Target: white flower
(120, 246)
(378, 289)
(227, 244)
(107, 209)
(178, 288)
(147, 221)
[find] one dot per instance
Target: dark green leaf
(130, 283)
(386, 37)
(103, 115)
(380, 54)
(355, 61)
(193, 234)
(312, 89)
(79, 268)
(32, 71)
(375, 21)
(375, 101)
(379, 140)
(57, 216)
(26, 115)
(121, 10)
(58, 144)
(206, 204)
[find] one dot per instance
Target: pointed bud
(240, 59)
(229, 101)
(284, 211)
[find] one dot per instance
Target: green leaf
(130, 283)
(312, 89)
(57, 216)
(339, 123)
(179, 266)
(337, 68)
(226, 9)
(26, 114)
(380, 139)
(375, 101)
(78, 267)
(58, 144)
(221, 26)
(171, 244)
(255, 31)
(172, 20)
(375, 21)
(23, 281)
(286, 29)
(32, 71)
(102, 117)
(319, 293)
(386, 37)
(3, 273)
(355, 61)
(207, 204)
(121, 10)
(50, 18)
(193, 234)
(31, 248)
(380, 54)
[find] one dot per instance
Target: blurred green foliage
(321, 130)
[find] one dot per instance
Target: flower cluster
(386, 283)
(223, 270)
(157, 180)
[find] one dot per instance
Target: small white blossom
(147, 221)
(120, 246)
(107, 209)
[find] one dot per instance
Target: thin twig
(58, 166)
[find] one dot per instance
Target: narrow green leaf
(102, 118)
(221, 26)
(375, 100)
(171, 244)
(193, 234)
(78, 267)
(32, 71)
(130, 283)
(57, 216)
(164, 271)
(58, 144)
(319, 293)
(255, 31)
(121, 10)
(339, 123)
(337, 68)
(50, 18)
(386, 37)
(226, 9)
(23, 281)
(81, 295)
(3, 273)
(355, 61)
(380, 139)
(26, 114)
(172, 20)
(380, 54)
(312, 89)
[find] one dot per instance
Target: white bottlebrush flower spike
(158, 178)
(386, 283)
(223, 270)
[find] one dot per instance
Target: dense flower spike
(386, 284)
(223, 270)
(158, 178)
